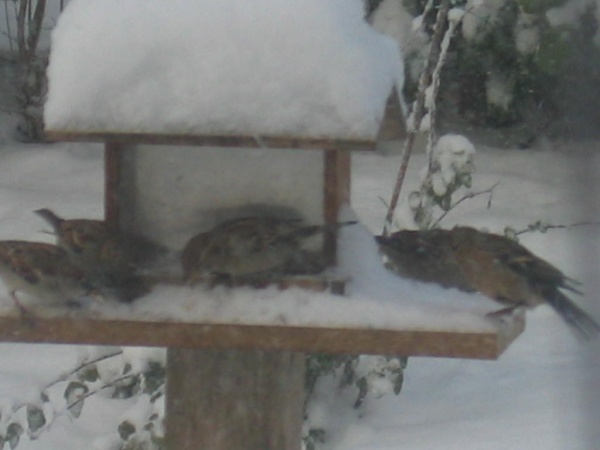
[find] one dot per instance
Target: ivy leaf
(73, 395)
(154, 377)
(35, 418)
(89, 374)
(126, 429)
(128, 387)
(13, 434)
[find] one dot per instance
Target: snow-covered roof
(309, 68)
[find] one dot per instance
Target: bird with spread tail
(498, 267)
(107, 257)
(44, 272)
(251, 247)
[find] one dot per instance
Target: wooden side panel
(228, 399)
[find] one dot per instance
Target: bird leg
(504, 311)
(25, 313)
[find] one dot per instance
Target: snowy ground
(544, 392)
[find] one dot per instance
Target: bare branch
(101, 388)
(83, 365)
(35, 27)
(468, 196)
(538, 226)
(21, 21)
(419, 109)
(8, 29)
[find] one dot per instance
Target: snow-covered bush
(137, 374)
(450, 169)
(513, 62)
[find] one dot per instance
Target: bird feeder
(209, 113)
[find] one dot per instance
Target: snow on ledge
(376, 299)
(309, 68)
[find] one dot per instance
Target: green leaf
(89, 374)
(126, 429)
(128, 387)
(315, 437)
(13, 434)
(154, 377)
(73, 395)
(35, 418)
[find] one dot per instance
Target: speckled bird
(252, 246)
(108, 257)
(42, 271)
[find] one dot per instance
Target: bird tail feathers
(50, 217)
(580, 321)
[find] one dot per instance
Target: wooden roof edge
(274, 142)
(393, 125)
(89, 331)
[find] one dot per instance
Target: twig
(386, 205)
(65, 376)
(468, 196)
(8, 29)
(106, 386)
(419, 109)
(538, 226)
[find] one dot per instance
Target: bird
(251, 247)
(424, 255)
(44, 272)
(107, 256)
(494, 265)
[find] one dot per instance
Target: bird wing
(527, 264)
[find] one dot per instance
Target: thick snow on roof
(310, 68)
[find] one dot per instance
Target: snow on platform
(381, 313)
(202, 67)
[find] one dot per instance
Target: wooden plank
(209, 393)
(82, 330)
(211, 141)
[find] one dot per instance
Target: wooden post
(336, 193)
(233, 399)
(112, 175)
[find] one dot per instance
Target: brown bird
(251, 247)
(108, 257)
(42, 271)
(494, 265)
(424, 255)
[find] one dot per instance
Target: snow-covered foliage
(481, 13)
(229, 67)
(392, 19)
(569, 13)
(113, 373)
(527, 34)
(449, 170)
